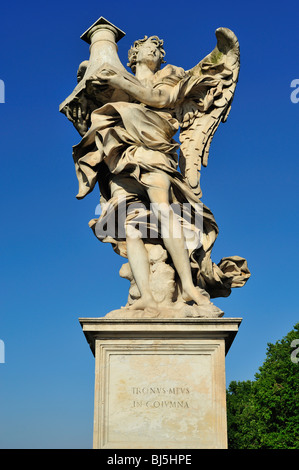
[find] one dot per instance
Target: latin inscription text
(150, 397)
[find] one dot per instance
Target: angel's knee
(156, 181)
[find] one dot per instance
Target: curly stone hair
(132, 54)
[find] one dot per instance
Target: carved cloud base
(160, 383)
(165, 289)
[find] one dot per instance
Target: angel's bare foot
(192, 293)
(146, 301)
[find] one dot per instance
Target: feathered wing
(209, 92)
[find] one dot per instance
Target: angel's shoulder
(169, 75)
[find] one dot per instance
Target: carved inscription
(160, 397)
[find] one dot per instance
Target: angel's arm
(157, 97)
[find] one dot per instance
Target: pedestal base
(160, 383)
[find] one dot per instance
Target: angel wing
(206, 104)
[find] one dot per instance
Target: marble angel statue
(128, 149)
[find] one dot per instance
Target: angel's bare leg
(173, 237)
(139, 263)
(136, 251)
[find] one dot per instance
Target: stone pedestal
(160, 383)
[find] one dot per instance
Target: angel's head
(148, 50)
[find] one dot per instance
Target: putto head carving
(133, 52)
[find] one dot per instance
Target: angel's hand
(107, 77)
(79, 115)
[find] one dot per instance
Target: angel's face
(149, 54)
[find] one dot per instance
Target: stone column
(160, 383)
(102, 37)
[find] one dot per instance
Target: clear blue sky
(53, 269)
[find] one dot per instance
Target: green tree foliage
(264, 413)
